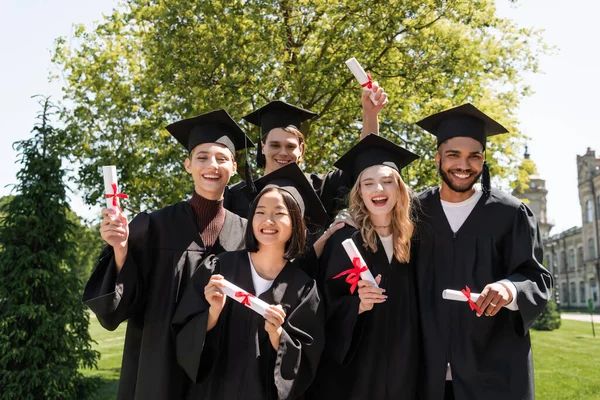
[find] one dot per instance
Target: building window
(572, 259)
(565, 293)
(582, 296)
(563, 260)
(580, 257)
(589, 210)
(591, 249)
(593, 290)
(573, 297)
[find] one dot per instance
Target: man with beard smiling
(488, 241)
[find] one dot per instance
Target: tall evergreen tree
(44, 337)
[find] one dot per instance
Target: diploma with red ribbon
(462, 295)
(359, 268)
(241, 296)
(111, 187)
(362, 77)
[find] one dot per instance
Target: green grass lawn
(567, 361)
(110, 346)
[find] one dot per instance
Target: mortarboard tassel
(485, 179)
(247, 170)
(249, 181)
(260, 158)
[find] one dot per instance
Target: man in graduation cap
(147, 264)
(477, 240)
(282, 142)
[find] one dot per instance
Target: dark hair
(295, 245)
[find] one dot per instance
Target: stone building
(572, 255)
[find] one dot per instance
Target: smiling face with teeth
(379, 191)
(460, 162)
(281, 147)
(272, 223)
(211, 166)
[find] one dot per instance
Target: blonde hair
(402, 225)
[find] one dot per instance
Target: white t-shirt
(261, 285)
(457, 213)
(388, 246)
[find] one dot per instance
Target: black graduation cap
(291, 179)
(212, 127)
(465, 120)
(276, 114)
(374, 150)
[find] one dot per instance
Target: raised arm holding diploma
(362, 77)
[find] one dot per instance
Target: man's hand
(493, 297)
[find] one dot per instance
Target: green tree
(549, 320)
(87, 246)
(150, 63)
(44, 335)
(87, 242)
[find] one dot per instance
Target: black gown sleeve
(300, 346)
(115, 297)
(533, 281)
(343, 325)
(196, 349)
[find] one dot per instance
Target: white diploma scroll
(361, 76)
(241, 296)
(110, 178)
(457, 295)
(353, 253)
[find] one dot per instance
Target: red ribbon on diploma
(368, 84)
(467, 292)
(353, 274)
(115, 195)
(246, 300)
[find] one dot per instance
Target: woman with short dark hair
(228, 350)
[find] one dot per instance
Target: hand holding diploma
(493, 297)
(371, 89)
(114, 227)
(274, 318)
(360, 267)
(238, 294)
(370, 294)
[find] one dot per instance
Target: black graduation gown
(165, 249)
(332, 188)
(490, 356)
(374, 355)
(236, 360)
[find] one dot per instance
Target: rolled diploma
(110, 177)
(361, 76)
(457, 295)
(256, 304)
(353, 252)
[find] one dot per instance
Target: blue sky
(559, 118)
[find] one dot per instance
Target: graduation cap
(212, 127)
(291, 179)
(464, 121)
(374, 150)
(276, 114)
